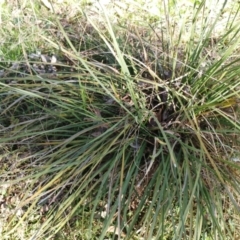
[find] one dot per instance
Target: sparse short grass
(119, 120)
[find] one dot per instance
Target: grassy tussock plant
(130, 132)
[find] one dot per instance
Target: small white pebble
(19, 212)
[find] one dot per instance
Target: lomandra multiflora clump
(127, 130)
